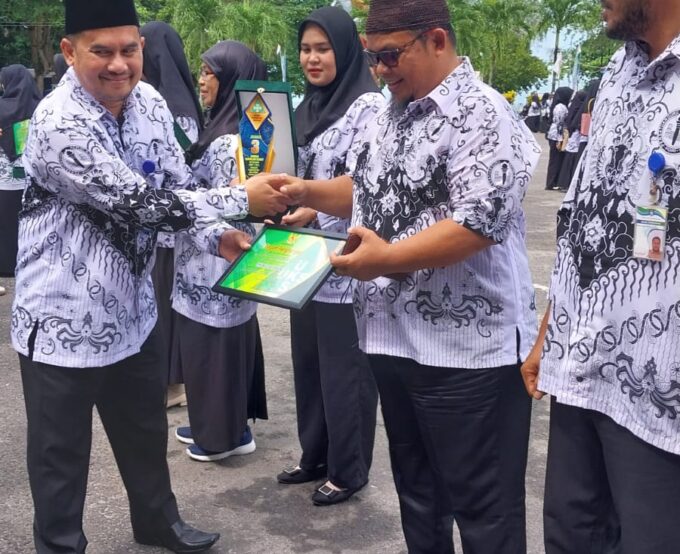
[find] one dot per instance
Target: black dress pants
(607, 491)
(130, 398)
(458, 441)
(335, 394)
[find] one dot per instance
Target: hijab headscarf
(573, 120)
(60, 67)
(18, 103)
(229, 61)
(323, 106)
(562, 96)
(167, 70)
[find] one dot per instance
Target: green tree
(519, 69)
(562, 15)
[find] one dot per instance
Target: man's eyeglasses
(390, 58)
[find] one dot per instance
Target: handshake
(270, 194)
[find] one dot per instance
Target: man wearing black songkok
(443, 297)
(106, 175)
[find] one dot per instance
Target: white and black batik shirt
(190, 127)
(460, 153)
(559, 115)
(7, 179)
(87, 231)
(196, 271)
(613, 339)
(325, 158)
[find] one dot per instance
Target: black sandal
(298, 475)
(327, 496)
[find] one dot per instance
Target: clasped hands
(271, 194)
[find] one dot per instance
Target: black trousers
(130, 399)
(458, 441)
(555, 160)
(10, 205)
(607, 491)
(335, 394)
(163, 274)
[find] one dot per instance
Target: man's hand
(264, 197)
(368, 261)
(300, 217)
(295, 189)
(233, 243)
(530, 370)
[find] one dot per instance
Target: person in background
(336, 395)
(20, 98)
(587, 113)
(558, 115)
(533, 118)
(572, 124)
(546, 100)
(217, 345)
(167, 70)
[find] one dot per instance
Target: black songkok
(83, 15)
(389, 16)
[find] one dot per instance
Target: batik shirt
(325, 158)
(461, 154)
(613, 337)
(190, 127)
(7, 180)
(87, 231)
(196, 271)
(559, 115)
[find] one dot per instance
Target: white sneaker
(247, 446)
(3, 291)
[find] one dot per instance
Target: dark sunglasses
(390, 58)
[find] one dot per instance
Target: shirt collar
(635, 50)
(89, 103)
(443, 95)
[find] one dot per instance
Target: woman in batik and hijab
(217, 346)
(167, 70)
(19, 100)
(558, 115)
(572, 124)
(336, 396)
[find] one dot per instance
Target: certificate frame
(245, 277)
(278, 97)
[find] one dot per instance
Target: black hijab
(562, 96)
(60, 67)
(230, 61)
(323, 106)
(167, 70)
(17, 103)
(591, 94)
(573, 120)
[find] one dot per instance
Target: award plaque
(266, 129)
(285, 266)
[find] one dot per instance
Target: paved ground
(239, 497)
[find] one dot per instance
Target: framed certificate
(285, 266)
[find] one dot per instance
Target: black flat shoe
(298, 475)
(326, 496)
(181, 538)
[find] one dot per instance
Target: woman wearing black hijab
(571, 154)
(167, 70)
(20, 98)
(558, 115)
(336, 396)
(224, 64)
(217, 346)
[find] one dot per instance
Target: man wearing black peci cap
(106, 175)
(444, 301)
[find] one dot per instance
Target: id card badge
(650, 232)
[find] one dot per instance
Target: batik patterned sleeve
(72, 164)
(489, 167)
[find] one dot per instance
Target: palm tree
(564, 14)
